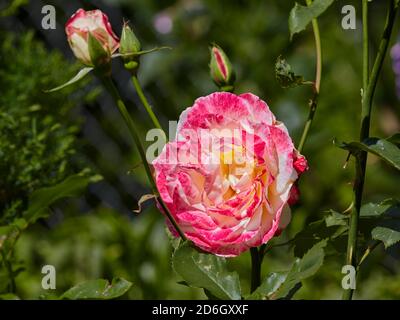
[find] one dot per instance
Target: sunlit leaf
(98, 289)
(300, 16)
(81, 74)
(376, 210)
(302, 269)
(388, 236)
(382, 148)
(41, 199)
(269, 285)
(207, 271)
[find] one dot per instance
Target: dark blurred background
(99, 236)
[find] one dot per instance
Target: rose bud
(221, 69)
(104, 42)
(129, 46)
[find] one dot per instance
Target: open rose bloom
(95, 22)
(230, 173)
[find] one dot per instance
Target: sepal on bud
(221, 69)
(100, 58)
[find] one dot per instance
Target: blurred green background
(46, 137)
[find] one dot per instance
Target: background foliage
(44, 138)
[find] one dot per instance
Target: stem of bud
(109, 85)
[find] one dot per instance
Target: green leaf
(48, 296)
(41, 199)
(302, 269)
(336, 219)
(80, 75)
(285, 76)
(388, 236)
(209, 295)
(4, 231)
(395, 139)
(12, 7)
(377, 210)
(10, 234)
(174, 241)
(382, 148)
(207, 271)
(98, 289)
(269, 286)
(9, 296)
(315, 232)
(301, 16)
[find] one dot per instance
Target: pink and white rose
(95, 22)
(228, 176)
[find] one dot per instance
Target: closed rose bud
(95, 23)
(129, 45)
(221, 69)
(129, 42)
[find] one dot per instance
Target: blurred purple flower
(163, 23)
(395, 53)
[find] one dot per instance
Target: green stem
(10, 272)
(227, 89)
(256, 261)
(316, 84)
(367, 99)
(145, 103)
(365, 44)
(307, 126)
(109, 85)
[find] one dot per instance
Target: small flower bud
(129, 42)
(129, 47)
(221, 69)
(84, 25)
